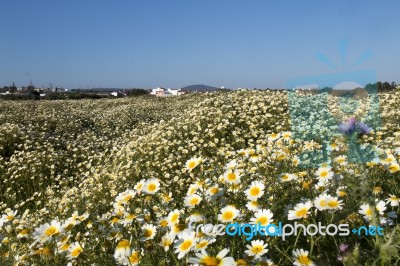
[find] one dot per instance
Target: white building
(175, 91)
(118, 93)
(159, 91)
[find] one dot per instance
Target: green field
(117, 181)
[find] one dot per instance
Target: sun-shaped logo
(319, 103)
(343, 47)
(341, 91)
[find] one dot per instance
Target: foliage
(106, 182)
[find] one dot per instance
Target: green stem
(173, 256)
(297, 238)
(364, 188)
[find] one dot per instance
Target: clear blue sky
(175, 43)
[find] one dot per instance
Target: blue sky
(175, 43)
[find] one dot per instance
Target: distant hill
(200, 87)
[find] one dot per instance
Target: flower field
(118, 181)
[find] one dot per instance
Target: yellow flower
(377, 190)
(255, 191)
(393, 168)
(263, 217)
(193, 163)
(394, 201)
(46, 231)
(152, 186)
(74, 250)
(166, 241)
(301, 210)
(301, 258)
(232, 177)
(173, 217)
(192, 200)
(228, 214)
(256, 249)
(185, 243)
(203, 258)
(149, 232)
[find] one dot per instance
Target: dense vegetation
(116, 182)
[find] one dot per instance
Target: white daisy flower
(257, 248)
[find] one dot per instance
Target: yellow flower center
(187, 244)
(52, 230)
(167, 198)
(393, 168)
(301, 213)
(124, 243)
(255, 191)
(128, 197)
(134, 258)
(333, 204)
(227, 215)
(368, 211)
(174, 218)
(191, 165)
(304, 260)
(324, 174)
(231, 176)
(24, 232)
(76, 251)
(152, 187)
(210, 261)
(256, 249)
(147, 232)
(214, 190)
(131, 216)
(262, 220)
(389, 159)
(340, 160)
(281, 157)
(64, 247)
(163, 223)
(194, 201)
